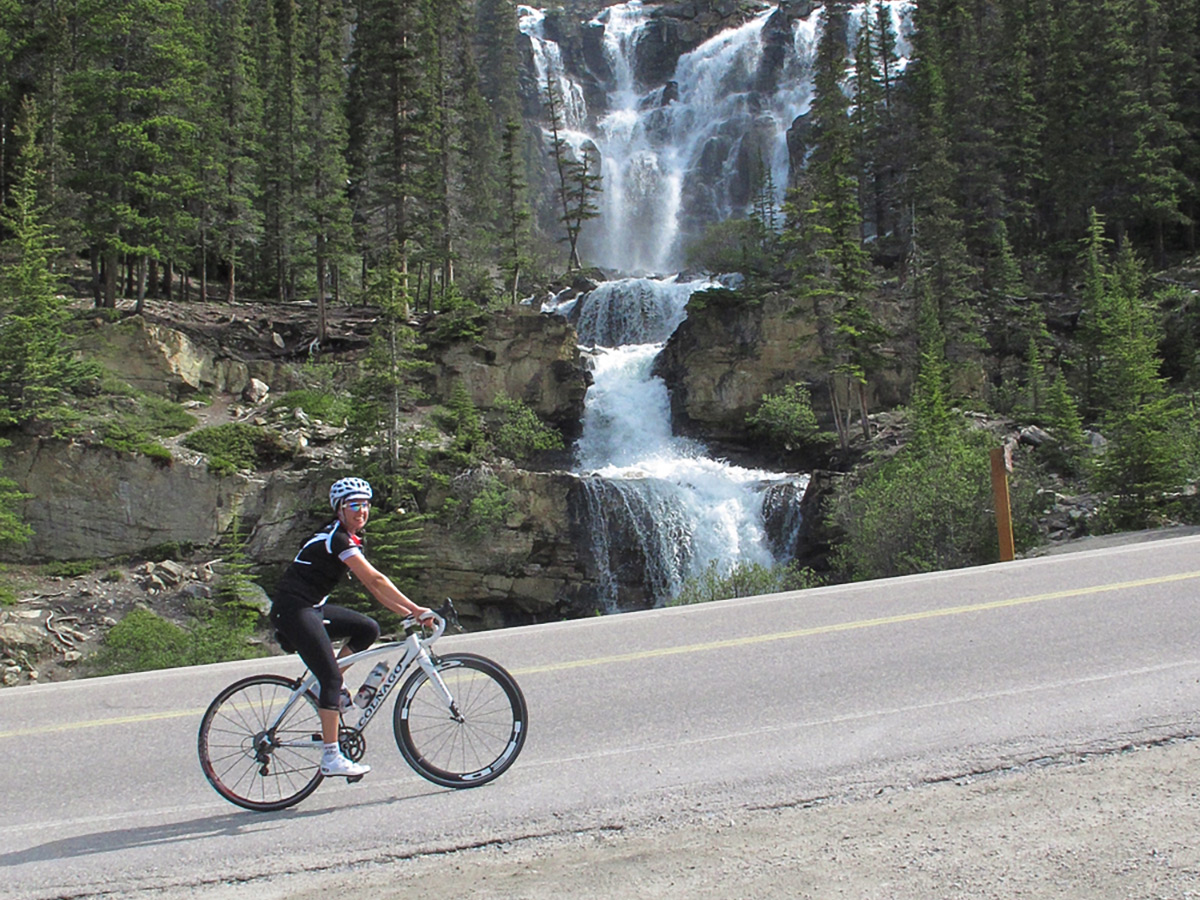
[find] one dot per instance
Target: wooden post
(1001, 465)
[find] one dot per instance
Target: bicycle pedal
(350, 779)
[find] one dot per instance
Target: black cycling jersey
(318, 567)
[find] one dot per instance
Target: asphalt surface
(780, 702)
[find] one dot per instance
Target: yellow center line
(853, 626)
(728, 643)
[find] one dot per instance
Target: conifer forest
(971, 160)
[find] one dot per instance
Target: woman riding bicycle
(300, 613)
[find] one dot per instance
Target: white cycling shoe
(339, 765)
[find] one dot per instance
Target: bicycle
(460, 721)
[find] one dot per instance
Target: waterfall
(675, 158)
(659, 508)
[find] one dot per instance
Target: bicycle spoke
(247, 765)
(474, 747)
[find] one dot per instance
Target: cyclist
(300, 613)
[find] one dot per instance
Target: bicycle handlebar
(444, 616)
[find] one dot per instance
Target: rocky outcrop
(523, 354)
(161, 360)
(728, 353)
(92, 502)
(733, 349)
(533, 566)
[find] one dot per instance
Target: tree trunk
(97, 287)
(321, 263)
(862, 409)
(835, 407)
(110, 279)
(139, 268)
(203, 266)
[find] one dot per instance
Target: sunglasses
(358, 505)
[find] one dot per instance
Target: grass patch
(317, 404)
(144, 641)
(70, 568)
(128, 421)
(236, 446)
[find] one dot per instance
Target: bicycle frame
(415, 649)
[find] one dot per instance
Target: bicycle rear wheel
(248, 761)
(473, 740)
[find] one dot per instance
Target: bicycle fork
(425, 661)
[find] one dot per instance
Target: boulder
(525, 355)
(733, 349)
(531, 567)
(165, 361)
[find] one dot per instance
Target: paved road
(763, 701)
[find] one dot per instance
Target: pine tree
(828, 253)
(578, 172)
(516, 214)
(1146, 460)
(278, 171)
(938, 251)
(236, 138)
(387, 386)
(36, 365)
(390, 142)
(134, 91)
(325, 216)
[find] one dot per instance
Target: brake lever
(450, 614)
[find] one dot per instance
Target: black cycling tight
(310, 630)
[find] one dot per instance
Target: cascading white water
(673, 162)
(652, 494)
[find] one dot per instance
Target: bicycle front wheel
(475, 737)
(251, 756)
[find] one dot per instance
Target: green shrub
(168, 550)
(236, 445)
(162, 418)
(521, 433)
(328, 406)
(786, 420)
(140, 642)
(743, 580)
(132, 424)
(143, 641)
(70, 568)
(489, 508)
(479, 504)
(926, 508)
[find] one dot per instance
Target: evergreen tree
(36, 365)
(938, 253)
(390, 139)
(278, 170)
(578, 172)
(516, 214)
(1147, 457)
(325, 207)
(236, 138)
(135, 92)
(496, 41)
(387, 388)
(829, 257)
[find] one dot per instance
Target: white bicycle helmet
(348, 489)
